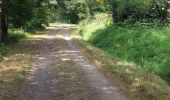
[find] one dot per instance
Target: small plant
(17, 36)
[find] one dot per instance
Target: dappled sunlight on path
(62, 72)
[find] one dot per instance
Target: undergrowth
(138, 84)
(148, 47)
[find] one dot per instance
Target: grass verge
(148, 47)
(17, 57)
(14, 67)
(139, 84)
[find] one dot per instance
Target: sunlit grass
(87, 27)
(141, 56)
(139, 84)
(147, 47)
(18, 35)
(16, 58)
(13, 67)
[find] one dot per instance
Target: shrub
(17, 35)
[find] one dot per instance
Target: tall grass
(147, 47)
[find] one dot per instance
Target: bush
(17, 35)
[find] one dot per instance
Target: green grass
(14, 37)
(2, 50)
(87, 27)
(147, 47)
(137, 83)
(16, 59)
(17, 35)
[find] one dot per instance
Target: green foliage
(20, 12)
(137, 10)
(86, 27)
(130, 8)
(71, 11)
(148, 47)
(29, 14)
(3, 50)
(40, 15)
(38, 21)
(15, 36)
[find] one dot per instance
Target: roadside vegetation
(145, 46)
(16, 59)
(137, 41)
(14, 67)
(18, 56)
(129, 77)
(19, 20)
(15, 37)
(137, 58)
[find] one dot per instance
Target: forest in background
(134, 30)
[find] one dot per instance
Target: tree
(28, 14)
(4, 20)
(71, 11)
(90, 4)
(113, 6)
(40, 14)
(20, 12)
(0, 22)
(139, 10)
(161, 9)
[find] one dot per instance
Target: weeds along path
(63, 73)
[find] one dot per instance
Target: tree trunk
(0, 22)
(113, 7)
(4, 21)
(114, 13)
(89, 5)
(114, 19)
(0, 31)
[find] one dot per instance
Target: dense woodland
(133, 30)
(28, 14)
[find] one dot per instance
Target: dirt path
(63, 73)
